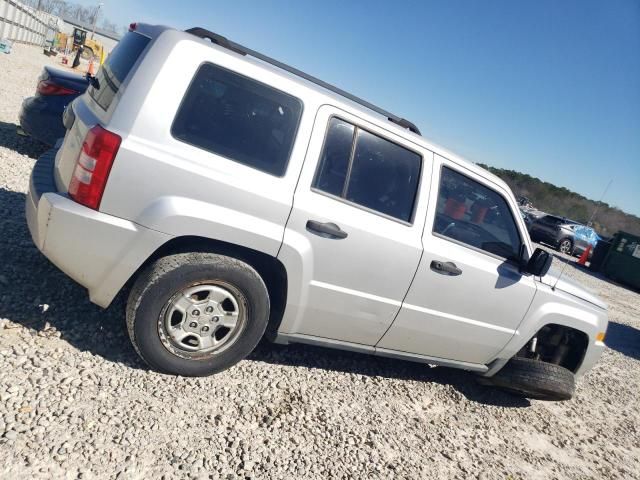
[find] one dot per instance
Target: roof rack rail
(237, 48)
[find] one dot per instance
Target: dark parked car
(41, 115)
(567, 236)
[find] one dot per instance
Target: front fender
(557, 307)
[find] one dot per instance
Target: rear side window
(368, 170)
(473, 214)
(238, 118)
(116, 68)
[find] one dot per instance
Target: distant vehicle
(90, 47)
(238, 197)
(41, 115)
(524, 201)
(528, 217)
(567, 236)
(583, 237)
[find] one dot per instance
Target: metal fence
(23, 24)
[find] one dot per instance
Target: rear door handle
(445, 268)
(326, 230)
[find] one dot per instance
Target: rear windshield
(116, 68)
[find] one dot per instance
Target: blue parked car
(41, 115)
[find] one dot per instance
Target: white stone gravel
(75, 401)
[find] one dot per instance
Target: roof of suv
(336, 96)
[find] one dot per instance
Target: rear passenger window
(238, 118)
(368, 170)
(475, 215)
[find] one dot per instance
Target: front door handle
(445, 268)
(326, 230)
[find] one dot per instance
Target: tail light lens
(47, 87)
(93, 166)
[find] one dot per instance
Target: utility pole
(95, 19)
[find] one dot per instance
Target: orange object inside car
(479, 212)
(454, 208)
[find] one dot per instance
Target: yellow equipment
(92, 48)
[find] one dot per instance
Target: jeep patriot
(232, 196)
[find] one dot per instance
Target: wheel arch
(272, 271)
(558, 344)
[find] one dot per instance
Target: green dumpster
(622, 263)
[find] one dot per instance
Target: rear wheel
(196, 314)
(534, 379)
(566, 246)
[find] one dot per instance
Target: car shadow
(28, 146)
(39, 297)
(313, 357)
(624, 339)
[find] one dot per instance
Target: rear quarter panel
(162, 183)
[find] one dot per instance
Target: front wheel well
(268, 267)
(557, 344)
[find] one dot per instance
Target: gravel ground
(75, 401)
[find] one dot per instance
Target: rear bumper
(100, 252)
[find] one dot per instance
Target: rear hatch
(96, 106)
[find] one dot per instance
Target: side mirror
(539, 263)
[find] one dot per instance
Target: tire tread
(154, 273)
(538, 379)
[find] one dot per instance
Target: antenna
(593, 215)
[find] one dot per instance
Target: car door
(546, 229)
(353, 239)
(468, 297)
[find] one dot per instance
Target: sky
(549, 88)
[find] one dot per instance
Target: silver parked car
(236, 196)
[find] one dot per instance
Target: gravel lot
(75, 401)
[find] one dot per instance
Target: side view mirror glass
(539, 263)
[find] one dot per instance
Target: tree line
(563, 202)
(62, 8)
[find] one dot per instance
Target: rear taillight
(47, 87)
(93, 166)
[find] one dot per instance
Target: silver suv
(232, 195)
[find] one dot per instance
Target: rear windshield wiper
(93, 81)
